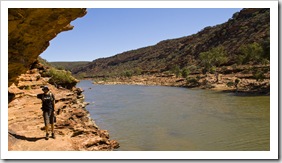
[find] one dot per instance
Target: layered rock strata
(29, 33)
(74, 129)
(225, 82)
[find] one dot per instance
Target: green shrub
(258, 75)
(192, 82)
(127, 73)
(138, 71)
(193, 68)
(176, 70)
(185, 72)
(61, 78)
(230, 84)
(213, 58)
(252, 53)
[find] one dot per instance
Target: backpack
(47, 101)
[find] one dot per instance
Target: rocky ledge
(74, 129)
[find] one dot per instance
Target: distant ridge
(245, 27)
(69, 65)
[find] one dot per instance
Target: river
(159, 118)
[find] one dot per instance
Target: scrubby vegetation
(59, 78)
(253, 53)
(212, 59)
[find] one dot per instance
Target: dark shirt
(47, 101)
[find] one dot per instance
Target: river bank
(225, 82)
(164, 118)
(74, 129)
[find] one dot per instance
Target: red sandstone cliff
(30, 30)
(74, 129)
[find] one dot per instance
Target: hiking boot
(53, 136)
(47, 136)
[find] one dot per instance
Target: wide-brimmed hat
(45, 88)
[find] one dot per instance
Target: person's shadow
(32, 139)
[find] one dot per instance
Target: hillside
(68, 65)
(236, 53)
(246, 27)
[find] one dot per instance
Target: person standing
(48, 108)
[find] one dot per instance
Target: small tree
(251, 53)
(213, 58)
(176, 70)
(185, 72)
(128, 74)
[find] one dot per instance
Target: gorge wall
(74, 129)
(30, 31)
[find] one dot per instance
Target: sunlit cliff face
(30, 30)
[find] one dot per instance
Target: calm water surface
(157, 118)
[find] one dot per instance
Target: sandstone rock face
(74, 129)
(30, 31)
